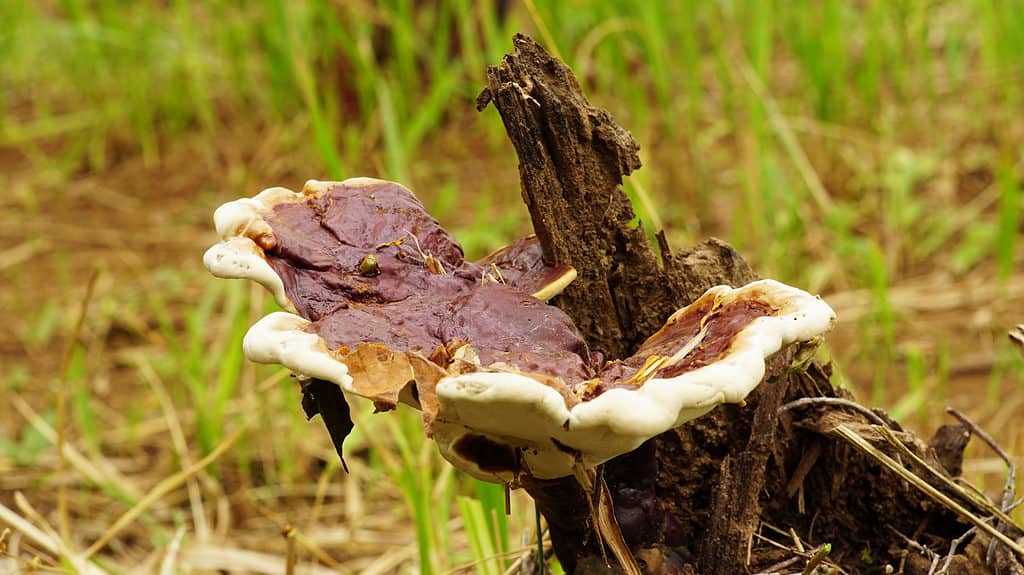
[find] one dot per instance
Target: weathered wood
(735, 498)
(572, 158)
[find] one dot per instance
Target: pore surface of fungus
(380, 301)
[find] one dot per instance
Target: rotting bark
(734, 501)
(691, 500)
(572, 158)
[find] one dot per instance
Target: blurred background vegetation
(867, 150)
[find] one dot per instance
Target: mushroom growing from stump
(381, 304)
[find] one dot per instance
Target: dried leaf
(379, 374)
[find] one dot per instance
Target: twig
(796, 540)
(526, 553)
(984, 503)
(970, 487)
(1009, 490)
(520, 565)
(779, 566)
(221, 558)
(814, 557)
(790, 533)
(389, 563)
(292, 554)
(1011, 473)
(776, 544)
(142, 430)
(586, 477)
(803, 467)
(31, 514)
(923, 550)
(610, 531)
(861, 444)
(33, 533)
(61, 419)
(837, 401)
(952, 550)
(928, 295)
(306, 542)
(321, 492)
(22, 252)
(45, 537)
(819, 555)
(471, 566)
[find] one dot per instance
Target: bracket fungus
(381, 303)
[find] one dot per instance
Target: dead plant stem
(165, 487)
(862, 445)
(1011, 473)
(61, 416)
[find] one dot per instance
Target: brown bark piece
(711, 262)
(572, 158)
(735, 503)
(949, 443)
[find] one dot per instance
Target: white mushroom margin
(281, 338)
(532, 418)
(523, 413)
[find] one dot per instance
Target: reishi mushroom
(381, 303)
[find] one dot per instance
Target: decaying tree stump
(699, 498)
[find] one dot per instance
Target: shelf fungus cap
(381, 303)
(497, 426)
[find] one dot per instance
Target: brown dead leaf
(378, 373)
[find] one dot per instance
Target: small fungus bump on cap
(386, 307)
